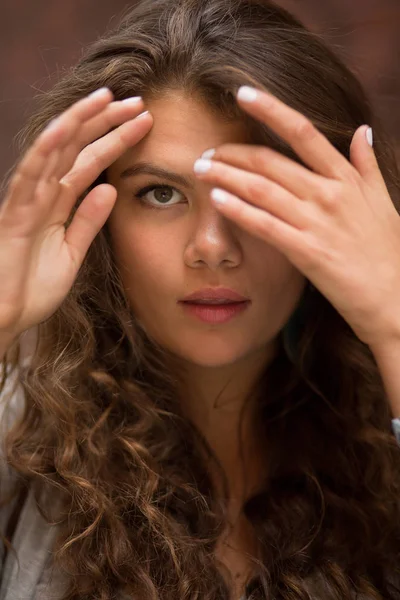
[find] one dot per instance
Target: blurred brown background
(39, 38)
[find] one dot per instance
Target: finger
(25, 219)
(99, 155)
(113, 115)
(261, 224)
(309, 144)
(89, 218)
(91, 162)
(364, 159)
(264, 161)
(255, 189)
(32, 165)
(54, 159)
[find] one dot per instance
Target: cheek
(146, 261)
(270, 268)
(279, 283)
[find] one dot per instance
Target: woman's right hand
(39, 257)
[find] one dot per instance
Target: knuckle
(331, 197)
(263, 159)
(303, 130)
(267, 225)
(89, 155)
(15, 182)
(122, 136)
(38, 193)
(262, 227)
(255, 187)
(23, 172)
(110, 118)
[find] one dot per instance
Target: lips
(215, 302)
(215, 314)
(215, 296)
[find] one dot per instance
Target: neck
(220, 401)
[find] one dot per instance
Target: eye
(162, 195)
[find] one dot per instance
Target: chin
(212, 355)
(210, 348)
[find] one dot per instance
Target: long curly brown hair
(102, 428)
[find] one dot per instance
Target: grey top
(32, 538)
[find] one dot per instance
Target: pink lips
(215, 305)
(215, 313)
(215, 294)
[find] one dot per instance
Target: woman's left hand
(336, 223)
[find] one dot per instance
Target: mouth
(213, 301)
(215, 311)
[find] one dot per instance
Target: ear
(363, 158)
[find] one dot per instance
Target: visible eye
(162, 194)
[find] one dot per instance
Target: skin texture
(166, 253)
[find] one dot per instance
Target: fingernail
(247, 94)
(202, 165)
(99, 93)
(133, 100)
(53, 124)
(219, 196)
(208, 153)
(370, 136)
(146, 112)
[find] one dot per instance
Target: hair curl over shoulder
(102, 426)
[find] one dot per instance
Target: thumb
(89, 218)
(363, 158)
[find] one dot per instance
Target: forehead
(183, 128)
(185, 119)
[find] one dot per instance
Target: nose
(213, 240)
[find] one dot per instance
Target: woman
(169, 449)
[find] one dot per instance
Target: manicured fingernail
(146, 112)
(53, 124)
(133, 100)
(370, 136)
(208, 153)
(247, 94)
(219, 196)
(100, 93)
(202, 165)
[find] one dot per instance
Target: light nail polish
(202, 165)
(208, 153)
(133, 100)
(219, 196)
(247, 93)
(370, 136)
(99, 93)
(53, 124)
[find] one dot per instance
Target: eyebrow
(152, 169)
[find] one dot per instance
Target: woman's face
(173, 242)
